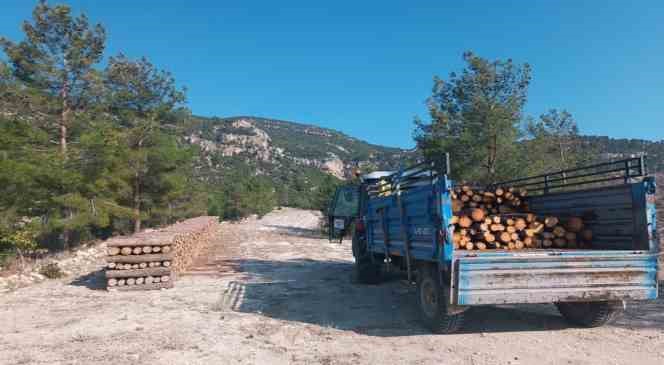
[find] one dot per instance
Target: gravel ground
(272, 291)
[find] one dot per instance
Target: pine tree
(475, 116)
(554, 143)
(324, 193)
(144, 101)
(56, 58)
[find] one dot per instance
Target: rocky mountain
(300, 163)
(273, 146)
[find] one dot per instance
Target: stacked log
(493, 201)
(189, 238)
(151, 259)
(499, 218)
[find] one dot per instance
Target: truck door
(343, 210)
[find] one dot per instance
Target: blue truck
(400, 221)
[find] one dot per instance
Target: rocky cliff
(271, 144)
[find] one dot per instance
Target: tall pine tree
(143, 100)
(57, 58)
(554, 144)
(475, 116)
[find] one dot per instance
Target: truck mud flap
(549, 277)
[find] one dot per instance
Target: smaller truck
(401, 221)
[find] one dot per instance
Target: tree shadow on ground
(296, 231)
(95, 280)
(324, 293)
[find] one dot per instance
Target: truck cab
(348, 201)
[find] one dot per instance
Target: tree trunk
(137, 204)
(65, 116)
(64, 123)
(563, 160)
(492, 156)
(63, 136)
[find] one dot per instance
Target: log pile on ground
(150, 259)
(499, 218)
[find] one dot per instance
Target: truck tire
(589, 314)
(432, 303)
(367, 269)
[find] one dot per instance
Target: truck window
(346, 202)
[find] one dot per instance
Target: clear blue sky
(365, 68)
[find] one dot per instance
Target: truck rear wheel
(589, 314)
(433, 305)
(367, 270)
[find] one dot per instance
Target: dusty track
(271, 291)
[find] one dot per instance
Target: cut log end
(478, 215)
(465, 221)
(551, 222)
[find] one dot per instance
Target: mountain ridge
(277, 141)
(336, 152)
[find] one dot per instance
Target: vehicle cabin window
(347, 202)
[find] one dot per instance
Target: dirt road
(271, 291)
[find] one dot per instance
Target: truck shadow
(323, 293)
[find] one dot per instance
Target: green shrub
(7, 257)
(52, 271)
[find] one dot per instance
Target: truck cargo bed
(622, 263)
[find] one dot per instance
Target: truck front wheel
(589, 314)
(432, 301)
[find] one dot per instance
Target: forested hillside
(616, 148)
(87, 151)
(308, 142)
(302, 162)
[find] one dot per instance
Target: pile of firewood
(492, 201)
(499, 218)
(150, 259)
